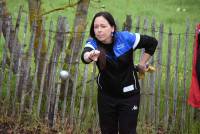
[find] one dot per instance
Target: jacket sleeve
(148, 43)
(89, 46)
(86, 49)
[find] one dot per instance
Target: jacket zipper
(98, 81)
(134, 80)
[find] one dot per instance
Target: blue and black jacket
(119, 78)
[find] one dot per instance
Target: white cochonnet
(64, 74)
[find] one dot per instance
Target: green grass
(164, 11)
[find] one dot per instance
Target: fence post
(44, 69)
(27, 67)
(72, 105)
(93, 78)
(10, 72)
(194, 112)
(167, 84)
(59, 47)
(82, 96)
(51, 81)
(159, 72)
(1, 70)
(137, 28)
(127, 25)
(21, 56)
(183, 115)
(175, 87)
(152, 81)
(13, 53)
(144, 91)
(0, 26)
(38, 55)
(5, 51)
(62, 62)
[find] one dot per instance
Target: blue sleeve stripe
(137, 39)
(89, 45)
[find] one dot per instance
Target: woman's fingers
(143, 68)
(94, 54)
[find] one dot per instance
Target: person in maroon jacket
(194, 95)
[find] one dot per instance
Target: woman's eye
(95, 27)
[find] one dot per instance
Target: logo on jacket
(120, 46)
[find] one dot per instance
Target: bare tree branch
(61, 8)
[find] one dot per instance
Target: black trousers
(118, 114)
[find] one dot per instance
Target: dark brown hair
(111, 21)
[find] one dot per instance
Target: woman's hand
(92, 55)
(142, 68)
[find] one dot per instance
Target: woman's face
(103, 30)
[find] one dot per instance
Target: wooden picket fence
(164, 93)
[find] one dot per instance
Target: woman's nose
(99, 29)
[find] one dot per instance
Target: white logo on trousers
(134, 107)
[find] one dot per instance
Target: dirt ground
(8, 126)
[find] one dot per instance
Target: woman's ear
(113, 29)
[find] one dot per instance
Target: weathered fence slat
(5, 51)
(72, 116)
(167, 82)
(152, 80)
(143, 82)
(21, 56)
(38, 54)
(51, 85)
(175, 87)
(62, 30)
(137, 28)
(159, 72)
(51, 97)
(10, 72)
(67, 86)
(81, 109)
(144, 31)
(1, 70)
(51, 93)
(1, 27)
(127, 26)
(183, 114)
(46, 61)
(72, 105)
(28, 66)
(192, 110)
(13, 50)
(92, 89)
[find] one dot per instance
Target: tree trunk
(78, 34)
(80, 23)
(35, 15)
